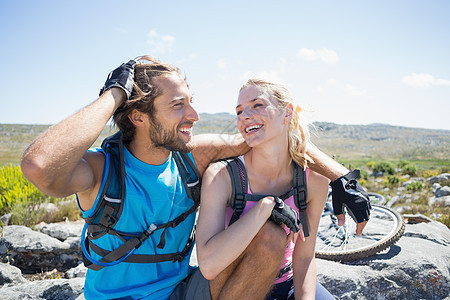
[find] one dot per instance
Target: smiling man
(139, 192)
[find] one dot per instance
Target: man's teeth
(185, 129)
(248, 129)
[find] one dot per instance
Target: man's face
(173, 117)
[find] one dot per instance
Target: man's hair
(298, 128)
(144, 93)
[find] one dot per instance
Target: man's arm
(325, 165)
(54, 161)
(57, 162)
(211, 147)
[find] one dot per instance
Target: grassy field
(350, 144)
(353, 145)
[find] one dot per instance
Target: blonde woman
(272, 127)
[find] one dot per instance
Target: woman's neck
(269, 161)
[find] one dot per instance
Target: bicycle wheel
(376, 199)
(340, 243)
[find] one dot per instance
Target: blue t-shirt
(153, 194)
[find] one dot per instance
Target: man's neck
(145, 151)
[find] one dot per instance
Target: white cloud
(332, 81)
(353, 91)
(329, 57)
(222, 64)
(160, 44)
(423, 80)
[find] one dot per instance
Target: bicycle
(340, 243)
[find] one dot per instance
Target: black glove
(346, 191)
(284, 214)
(122, 77)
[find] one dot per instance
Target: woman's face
(259, 118)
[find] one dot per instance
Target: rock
(439, 201)
(10, 275)
(435, 187)
(34, 251)
(6, 219)
(438, 179)
(392, 201)
(63, 231)
(416, 267)
(78, 271)
(402, 209)
(442, 191)
(52, 289)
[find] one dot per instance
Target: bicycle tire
(376, 199)
(376, 241)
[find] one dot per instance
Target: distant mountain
(357, 143)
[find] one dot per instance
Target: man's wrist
(118, 95)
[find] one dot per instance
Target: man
(152, 106)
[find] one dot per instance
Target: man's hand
(284, 214)
(346, 191)
(122, 77)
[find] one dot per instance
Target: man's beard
(166, 138)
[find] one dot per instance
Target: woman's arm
(218, 247)
(303, 258)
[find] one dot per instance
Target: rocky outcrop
(33, 251)
(416, 267)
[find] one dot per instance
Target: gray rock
(78, 271)
(392, 201)
(439, 201)
(52, 289)
(34, 251)
(63, 231)
(10, 275)
(435, 187)
(6, 219)
(416, 267)
(442, 191)
(438, 179)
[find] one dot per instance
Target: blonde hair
(298, 132)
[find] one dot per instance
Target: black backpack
(239, 195)
(110, 206)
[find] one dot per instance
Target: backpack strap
(239, 196)
(300, 195)
(110, 208)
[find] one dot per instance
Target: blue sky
(349, 62)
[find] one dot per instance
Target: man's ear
(137, 118)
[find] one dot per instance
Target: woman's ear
(137, 118)
(289, 113)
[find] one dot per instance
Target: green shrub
(384, 166)
(23, 200)
(393, 180)
(364, 175)
(370, 164)
(16, 190)
(414, 186)
(409, 169)
(402, 163)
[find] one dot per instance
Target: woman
(271, 126)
